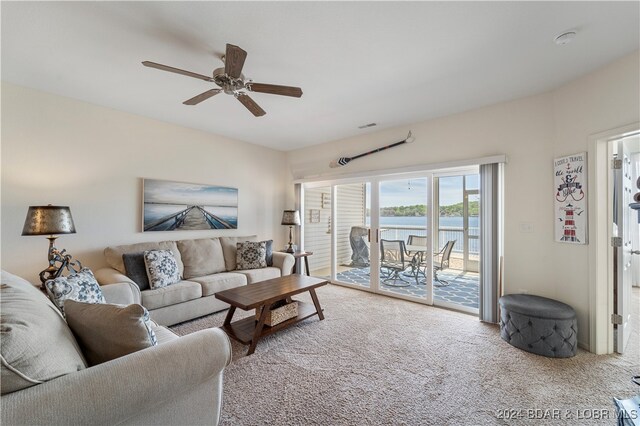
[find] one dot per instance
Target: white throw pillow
(81, 286)
(162, 268)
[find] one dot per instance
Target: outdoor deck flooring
(462, 289)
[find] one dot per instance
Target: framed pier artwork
(570, 203)
(180, 206)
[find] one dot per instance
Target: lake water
(445, 221)
(443, 235)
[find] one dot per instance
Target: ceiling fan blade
(176, 70)
(274, 89)
(202, 97)
(251, 105)
(234, 60)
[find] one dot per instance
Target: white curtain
(491, 190)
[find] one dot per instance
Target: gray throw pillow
(107, 332)
(37, 344)
(136, 270)
(269, 256)
(250, 255)
(81, 286)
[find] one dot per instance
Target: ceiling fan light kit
(231, 81)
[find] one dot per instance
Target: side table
(301, 254)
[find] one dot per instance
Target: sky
(409, 192)
(162, 191)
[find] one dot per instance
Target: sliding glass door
(352, 235)
(403, 237)
(457, 254)
(316, 235)
(383, 235)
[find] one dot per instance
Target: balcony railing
(399, 232)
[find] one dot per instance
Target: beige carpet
(377, 360)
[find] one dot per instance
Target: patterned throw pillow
(162, 268)
(81, 286)
(251, 255)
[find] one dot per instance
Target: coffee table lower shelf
(242, 330)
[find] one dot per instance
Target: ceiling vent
(364, 126)
(565, 38)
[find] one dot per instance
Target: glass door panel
(381, 235)
(317, 230)
(403, 237)
(353, 248)
(456, 265)
(472, 231)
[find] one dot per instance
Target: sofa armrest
(126, 293)
(284, 261)
(119, 293)
(132, 389)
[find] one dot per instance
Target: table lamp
(291, 218)
(52, 221)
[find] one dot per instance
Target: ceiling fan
(231, 81)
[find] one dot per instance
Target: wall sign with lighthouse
(570, 193)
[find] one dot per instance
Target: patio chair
(419, 262)
(444, 255)
(393, 263)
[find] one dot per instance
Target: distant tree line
(457, 209)
(421, 210)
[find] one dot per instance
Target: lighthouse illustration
(570, 204)
(569, 223)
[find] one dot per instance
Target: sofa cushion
(81, 286)
(107, 332)
(37, 344)
(229, 249)
(175, 293)
(256, 275)
(201, 257)
(114, 254)
(217, 282)
(162, 268)
(251, 255)
(136, 269)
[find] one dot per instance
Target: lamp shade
(290, 217)
(48, 220)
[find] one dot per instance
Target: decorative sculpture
(359, 248)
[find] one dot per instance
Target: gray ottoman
(539, 325)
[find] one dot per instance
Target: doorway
(624, 228)
(608, 297)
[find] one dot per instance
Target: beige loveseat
(46, 381)
(206, 265)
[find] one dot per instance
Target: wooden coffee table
(264, 294)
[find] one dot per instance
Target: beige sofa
(45, 380)
(206, 265)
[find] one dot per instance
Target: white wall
(61, 151)
(600, 101)
(531, 132)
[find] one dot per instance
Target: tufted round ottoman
(539, 325)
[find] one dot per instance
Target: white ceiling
(392, 63)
